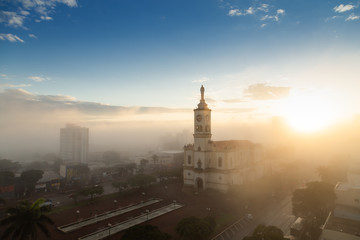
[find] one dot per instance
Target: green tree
(7, 178)
(263, 232)
(29, 178)
(193, 228)
(8, 165)
(145, 232)
(316, 200)
(92, 191)
(24, 221)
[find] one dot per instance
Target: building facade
(218, 164)
(344, 221)
(74, 144)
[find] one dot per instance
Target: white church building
(218, 164)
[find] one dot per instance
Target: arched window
(199, 163)
(189, 159)
(220, 162)
(199, 148)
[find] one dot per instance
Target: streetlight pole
(147, 214)
(109, 225)
(78, 214)
(208, 209)
(115, 201)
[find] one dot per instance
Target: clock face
(198, 118)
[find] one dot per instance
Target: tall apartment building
(74, 143)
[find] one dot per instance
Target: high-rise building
(217, 165)
(74, 143)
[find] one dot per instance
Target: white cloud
(264, 7)
(258, 10)
(234, 12)
(24, 13)
(250, 10)
(27, 8)
(352, 17)
(203, 79)
(263, 25)
(330, 18)
(38, 78)
(4, 76)
(274, 17)
(69, 3)
(8, 85)
(343, 8)
(46, 18)
(280, 11)
(10, 37)
(11, 19)
(32, 36)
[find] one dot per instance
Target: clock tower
(202, 133)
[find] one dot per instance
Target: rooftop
(342, 225)
(229, 144)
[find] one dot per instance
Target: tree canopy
(23, 221)
(316, 200)
(6, 178)
(29, 178)
(8, 165)
(193, 228)
(145, 232)
(92, 191)
(263, 232)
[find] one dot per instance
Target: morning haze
(209, 119)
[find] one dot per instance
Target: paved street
(63, 199)
(277, 214)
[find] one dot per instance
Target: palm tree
(24, 220)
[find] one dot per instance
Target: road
(63, 199)
(278, 214)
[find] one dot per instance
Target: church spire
(202, 90)
(202, 104)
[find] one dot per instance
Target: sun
(308, 112)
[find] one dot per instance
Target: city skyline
(140, 64)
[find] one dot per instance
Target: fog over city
(182, 120)
(31, 125)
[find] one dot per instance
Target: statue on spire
(202, 104)
(202, 90)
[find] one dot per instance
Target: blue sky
(159, 52)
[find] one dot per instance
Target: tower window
(199, 163)
(220, 162)
(189, 159)
(199, 148)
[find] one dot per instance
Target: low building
(50, 181)
(344, 222)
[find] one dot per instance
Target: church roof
(229, 144)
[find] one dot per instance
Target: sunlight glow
(308, 112)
